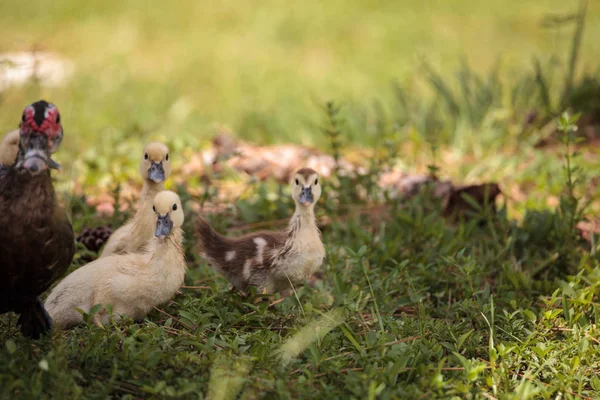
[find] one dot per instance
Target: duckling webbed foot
(262, 295)
(34, 319)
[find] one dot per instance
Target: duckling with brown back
(271, 260)
(37, 237)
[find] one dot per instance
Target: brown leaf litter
(279, 162)
(589, 227)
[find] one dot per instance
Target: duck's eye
(316, 181)
(58, 118)
(23, 117)
(297, 181)
(167, 157)
(153, 208)
(145, 156)
(174, 207)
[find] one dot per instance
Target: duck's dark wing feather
(37, 243)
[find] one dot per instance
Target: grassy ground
(410, 306)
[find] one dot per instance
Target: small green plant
(333, 131)
(351, 188)
(570, 210)
(433, 167)
(117, 216)
(567, 124)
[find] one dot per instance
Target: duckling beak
(156, 173)
(306, 196)
(163, 226)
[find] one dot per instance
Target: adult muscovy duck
(37, 241)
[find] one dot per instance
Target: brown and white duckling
(271, 260)
(131, 283)
(155, 168)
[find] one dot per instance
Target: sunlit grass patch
(312, 332)
(227, 376)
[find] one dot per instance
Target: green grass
(410, 306)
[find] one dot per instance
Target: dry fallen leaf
(279, 162)
(588, 227)
(482, 194)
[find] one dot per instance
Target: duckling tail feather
(211, 242)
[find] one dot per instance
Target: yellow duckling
(132, 284)
(155, 168)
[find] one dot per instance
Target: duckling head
(306, 188)
(40, 134)
(169, 213)
(156, 163)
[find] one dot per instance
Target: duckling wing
(116, 241)
(246, 254)
(80, 290)
(75, 289)
(129, 280)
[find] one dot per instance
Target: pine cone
(94, 238)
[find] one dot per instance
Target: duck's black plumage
(36, 244)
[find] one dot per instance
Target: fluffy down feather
(132, 284)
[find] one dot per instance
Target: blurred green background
(181, 71)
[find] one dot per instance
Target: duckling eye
(167, 157)
(297, 181)
(316, 181)
(153, 208)
(145, 156)
(174, 207)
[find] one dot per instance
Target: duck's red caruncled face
(42, 118)
(40, 135)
